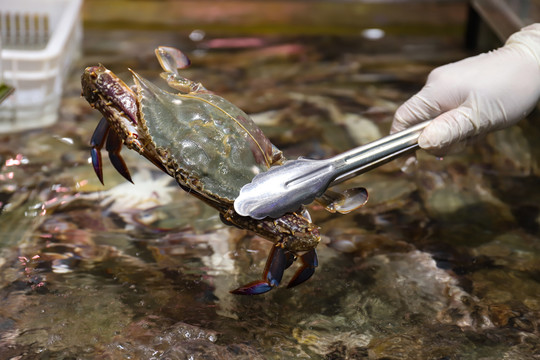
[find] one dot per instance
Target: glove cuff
(528, 39)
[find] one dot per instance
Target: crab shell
(213, 144)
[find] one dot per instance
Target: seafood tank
(441, 263)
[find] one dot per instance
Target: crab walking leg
(114, 145)
(309, 263)
(97, 141)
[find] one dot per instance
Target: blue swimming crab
(211, 148)
(207, 144)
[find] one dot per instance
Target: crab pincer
(279, 260)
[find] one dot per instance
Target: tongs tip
(281, 189)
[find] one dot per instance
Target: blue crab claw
(309, 263)
(254, 288)
(277, 262)
(114, 145)
(97, 141)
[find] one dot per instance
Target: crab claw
(97, 141)
(253, 288)
(114, 145)
(278, 260)
(309, 263)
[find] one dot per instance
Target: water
(442, 263)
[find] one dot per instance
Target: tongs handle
(364, 158)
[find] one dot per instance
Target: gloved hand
(476, 95)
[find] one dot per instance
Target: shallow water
(442, 263)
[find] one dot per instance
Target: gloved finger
(448, 129)
(417, 109)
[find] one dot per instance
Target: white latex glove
(476, 95)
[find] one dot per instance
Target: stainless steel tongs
(285, 188)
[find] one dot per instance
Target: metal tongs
(285, 188)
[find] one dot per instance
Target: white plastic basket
(40, 39)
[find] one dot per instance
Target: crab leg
(97, 141)
(114, 145)
(309, 263)
(278, 260)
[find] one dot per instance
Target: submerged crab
(210, 146)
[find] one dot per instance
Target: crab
(208, 145)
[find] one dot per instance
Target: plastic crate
(40, 40)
